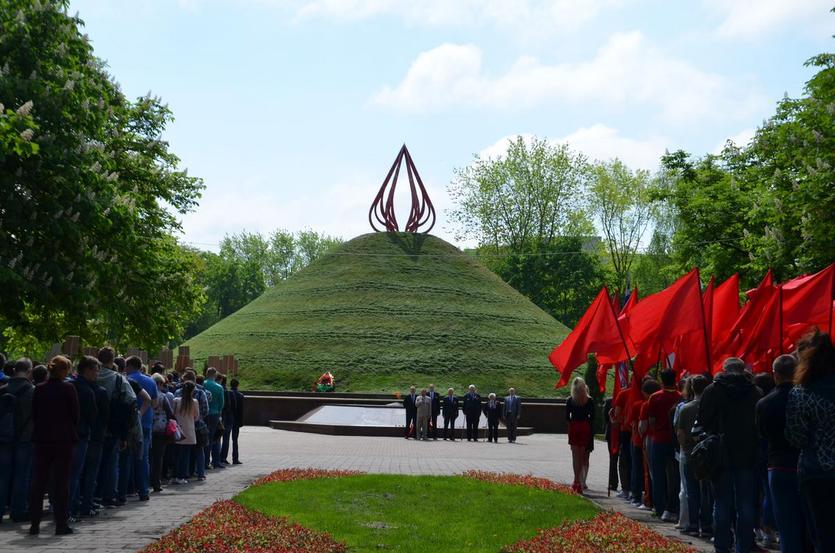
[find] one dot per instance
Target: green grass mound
(384, 512)
(386, 310)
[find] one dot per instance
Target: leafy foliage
(89, 193)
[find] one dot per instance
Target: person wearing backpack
(142, 466)
(122, 402)
(95, 446)
(727, 409)
(87, 372)
(55, 414)
(699, 497)
(16, 440)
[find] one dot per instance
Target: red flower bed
(227, 527)
(286, 475)
(520, 480)
(605, 533)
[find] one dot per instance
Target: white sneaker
(182, 481)
(643, 507)
(667, 516)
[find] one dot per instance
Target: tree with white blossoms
(89, 193)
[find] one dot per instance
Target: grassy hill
(386, 310)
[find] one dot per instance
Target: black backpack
(121, 411)
(8, 414)
(706, 455)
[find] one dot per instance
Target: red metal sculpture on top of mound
(382, 209)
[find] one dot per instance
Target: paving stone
(264, 450)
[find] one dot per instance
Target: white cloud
(740, 139)
(599, 142)
(627, 71)
(532, 16)
(752, 18)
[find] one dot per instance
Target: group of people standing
(93, 436)
(423, 409)
(747, 460)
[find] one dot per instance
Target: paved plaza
(263, 450)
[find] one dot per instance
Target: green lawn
(385, 311)
(385, 512)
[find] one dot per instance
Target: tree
(561, 277)
(533, 193)
(620, 203)
(89, 192)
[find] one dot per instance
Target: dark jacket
(472, 405)
(451, 407)
(409, 404)
(55, 412)
(228, 413)
(436, 403)
(728, 407)
(23, 390)
(239, 408)
(97, 431)
(493, 415)
(87, 406)
(771, 422)
(810, 426)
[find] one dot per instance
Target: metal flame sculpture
(382, 209)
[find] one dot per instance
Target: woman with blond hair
(579, 413)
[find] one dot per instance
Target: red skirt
(579, 433)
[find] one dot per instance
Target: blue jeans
(92, 462)
(108, 478)
(15, 473)
(212, 422)
(636, 480)
(198, 460)
(788, 509)
(76, 470)
(126, 476)
(660, 455)
(735, 493)
(699, 505)
(142, 464)
(227, 435)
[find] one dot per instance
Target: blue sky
(293, 110)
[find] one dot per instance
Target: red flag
(707, 303)
(670, 317)
(602, 372)
(743, 331)
(597, 332)
(806, 304)
(725, 309)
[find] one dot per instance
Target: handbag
(202, 433)
(173, 433)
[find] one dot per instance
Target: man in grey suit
(512, 410)
(423, 406)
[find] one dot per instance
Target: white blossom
(27, 135)
(25, 109)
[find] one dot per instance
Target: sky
(292, 111)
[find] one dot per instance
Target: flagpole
(620, 333)
(704, 323)
(780, 311)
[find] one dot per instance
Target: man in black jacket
(782, 457)
(84, 382)
(450, 409)
(493, 412)
(727, 408)
(239, 420)
(411, 410)
(435, 398)
(95, 447)
(16, 449)
(472, 412)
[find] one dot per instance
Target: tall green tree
(619, 200)
(90, 193)
(533, 193)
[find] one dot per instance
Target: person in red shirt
(621, 425)
(662, 450)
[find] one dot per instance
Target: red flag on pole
(806, 304)
(597, 332)
(725, 309)
(742, 332)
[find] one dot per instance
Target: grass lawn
(384, 512)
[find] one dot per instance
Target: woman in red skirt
(579, 412)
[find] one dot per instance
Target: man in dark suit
(435, 398)
(472, 411)
(450, 406)
(493, 412)
(411, 409)
(512, 410)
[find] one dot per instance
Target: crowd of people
(423, 409)
(747, 460)
(91, 436)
